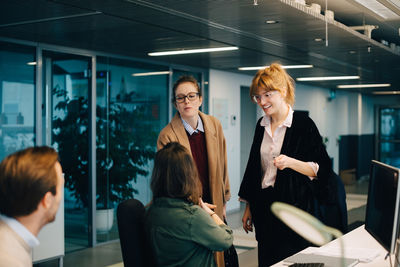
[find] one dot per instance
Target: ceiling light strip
(344, 86)
(193, 51)
(285, 67)
(328, 78)
(386, 92)
(151, 73)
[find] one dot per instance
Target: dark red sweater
(199, 152)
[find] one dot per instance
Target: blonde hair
(274, 78)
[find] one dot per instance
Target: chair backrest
(135, 247)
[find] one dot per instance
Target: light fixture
(318, 39)
(343, 86)
(386, 92)
(193, 51)
(285, 67)
(151, 73)
(328, 78)
(32, 63)
(380, 9)
(306, 225)
(271, 21)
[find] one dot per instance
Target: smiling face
(187, 109)
(271, 102)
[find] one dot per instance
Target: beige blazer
(216, 153)
(14, 251)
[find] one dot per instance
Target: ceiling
(137, 27)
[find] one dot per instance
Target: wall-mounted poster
(220, 110)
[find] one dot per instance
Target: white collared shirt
(21, 230)
(271, 147)
(189, 128)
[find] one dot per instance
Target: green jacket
(183, 234)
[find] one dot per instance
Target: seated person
(183, 230)
(31, 188)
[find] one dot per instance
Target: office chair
(135, 247)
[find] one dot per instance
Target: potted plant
(124, 146)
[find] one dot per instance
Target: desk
(358, 238)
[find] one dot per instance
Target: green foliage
(125, 142)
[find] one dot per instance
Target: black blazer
(302, 141)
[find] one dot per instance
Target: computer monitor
(382, 214)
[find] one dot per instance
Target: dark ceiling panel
(136, 27)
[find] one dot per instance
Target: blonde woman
(286, 160)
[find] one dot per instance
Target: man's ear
(47, 200)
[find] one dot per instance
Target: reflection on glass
(70, 119)
(389, 119)
(17, 98)
(390, 153)
(131, 110)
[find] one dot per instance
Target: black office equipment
(381, 219)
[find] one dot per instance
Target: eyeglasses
(267, 95)
(191, 97)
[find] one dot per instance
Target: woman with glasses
(287, 163)
(182, 229)
(203, 137)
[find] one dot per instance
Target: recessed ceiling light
(271, 21)
(364, 85)
(32, 63)
(386, 92)
(328, 78)
(318, 39)
(352, 52)
(285, 67)
(193, 51)
(151, 73)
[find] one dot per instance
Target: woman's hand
(247, 220)
(207, 206)
(282, 162)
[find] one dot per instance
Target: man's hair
(25, 177)
(175, 174)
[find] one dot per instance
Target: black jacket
(302, 141)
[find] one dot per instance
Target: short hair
(175, 174)
(274, 78)
(25, 177)
(185, 79)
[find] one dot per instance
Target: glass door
(388, 137)
(66, 90)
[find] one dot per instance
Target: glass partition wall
(104, 126)
(17, 98)
(131, 109)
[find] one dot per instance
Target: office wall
(348, 113)
(225, 88)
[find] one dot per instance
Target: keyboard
(311, 264)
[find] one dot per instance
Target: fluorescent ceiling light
(328, 78)
(151, 73)
(386, 93)
(379, 9)
(285, 67)
(193, 51)
(363, 85)
(32, 63)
